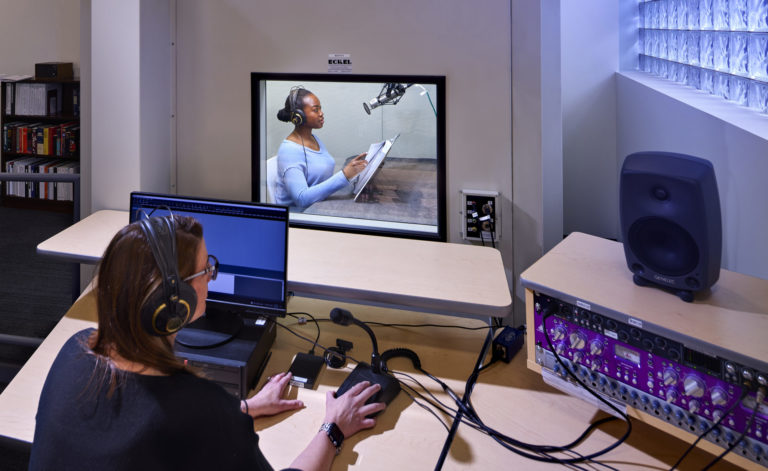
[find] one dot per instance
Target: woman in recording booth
(304, 166)
(117, 397)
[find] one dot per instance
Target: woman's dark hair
(285, 113)
(126, 276)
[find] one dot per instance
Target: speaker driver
(663, 246)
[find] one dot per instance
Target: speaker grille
(663, 246)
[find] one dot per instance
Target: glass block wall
(717, 46)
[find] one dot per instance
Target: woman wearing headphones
(117, 397)
(304, 166)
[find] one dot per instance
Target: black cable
(467, 393)
(623, 438)
(758, 401)
(712, 427)
(447, 326)
(297, 315)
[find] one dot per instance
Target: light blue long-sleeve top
(302, 181)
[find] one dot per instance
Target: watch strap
(334, 433)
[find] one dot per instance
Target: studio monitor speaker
(670, 221)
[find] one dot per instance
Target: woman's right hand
(355, 166)
(349, 410)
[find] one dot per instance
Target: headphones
(297, 114)
(170, 306)
(336, 357)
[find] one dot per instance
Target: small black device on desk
(375, 373)
(305, 370)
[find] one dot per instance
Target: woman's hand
(355, 166)
(349, 410)
(269, 401)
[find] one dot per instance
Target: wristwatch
(334, 434)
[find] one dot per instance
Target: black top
(150, 422)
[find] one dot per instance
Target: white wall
(590, 58)
(34, 31)
(536, 136)
(652, 120)
(221, 43)
(130, 100)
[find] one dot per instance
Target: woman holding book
(117, 398)
(304, 166)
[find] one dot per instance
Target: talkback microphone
(343, 317)
(390, 93)
(375, 373)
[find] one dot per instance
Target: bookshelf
(40, 134)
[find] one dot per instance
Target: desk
(731, 316)
(508, 397)
(403, 190)
(452, 279)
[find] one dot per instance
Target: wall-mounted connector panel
(481, 215)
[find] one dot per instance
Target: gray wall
(34, 31)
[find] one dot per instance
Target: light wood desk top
(509, 397)
(733, 314)
(452, 279)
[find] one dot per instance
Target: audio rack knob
(717, 415)
(671, 395)
(596, 364)
(558, 333)
(595, 347)
(577, 340)
(719, 397)
(693, 406)
(670, 377)
(560, 348)
(693, 386)
(578, 357)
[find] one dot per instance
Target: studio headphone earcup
(171, 304)
(297, 117)
(161, 316)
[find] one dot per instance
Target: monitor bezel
(244, 310)
(373, 227)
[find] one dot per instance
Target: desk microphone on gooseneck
(376, 372)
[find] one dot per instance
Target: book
(377, 152)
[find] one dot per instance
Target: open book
(376, 154)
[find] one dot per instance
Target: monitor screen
(250, 241)
(398, 120)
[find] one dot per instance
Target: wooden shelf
(36, 203)
(63, 103)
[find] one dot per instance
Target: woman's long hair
(126, 276)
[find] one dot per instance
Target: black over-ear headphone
(297, 113)
(170, 306)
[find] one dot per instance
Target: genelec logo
(665, 280)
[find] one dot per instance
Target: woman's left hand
(269, 401)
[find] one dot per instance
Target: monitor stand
(216, 327)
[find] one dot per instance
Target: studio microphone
(376, 372)
(390, 93)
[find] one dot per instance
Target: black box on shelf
(54, 71)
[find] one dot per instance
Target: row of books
(39, 99)
(59, 140)
(61, 191)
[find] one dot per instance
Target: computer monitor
(250, 241)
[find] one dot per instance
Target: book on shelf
(62, 191)
(35, 99)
